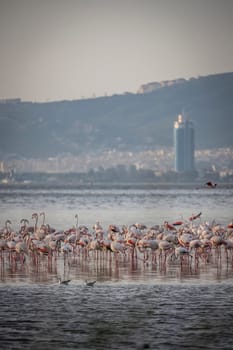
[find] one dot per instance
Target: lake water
(118, 206)
(133, 305)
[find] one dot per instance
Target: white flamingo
(117, 247)
(181, 253)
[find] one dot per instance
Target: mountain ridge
(123, 122)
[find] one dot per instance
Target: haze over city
(56, 50)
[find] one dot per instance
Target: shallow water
(118, 206)
(133, 305)
(117, 316)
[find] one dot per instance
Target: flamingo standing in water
(117, 247)
(151, 244)
(228, 247)
(182, 252)
(165, 249)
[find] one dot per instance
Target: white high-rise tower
(184, 145)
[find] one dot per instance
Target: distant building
(10, 100)
(184, 145)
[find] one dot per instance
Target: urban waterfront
(160, 160)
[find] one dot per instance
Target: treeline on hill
(124, 122)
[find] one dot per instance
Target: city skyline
(56, 50)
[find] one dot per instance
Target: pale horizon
(66, 50)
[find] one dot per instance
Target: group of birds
(185, 237)
(66, 282)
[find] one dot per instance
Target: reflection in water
(133, 305)
(130, 307)
(106, 268)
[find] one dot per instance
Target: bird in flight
(210, 184)
(194, 217)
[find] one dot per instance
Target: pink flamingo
(165, 249)
(194, 217)
(117, 248)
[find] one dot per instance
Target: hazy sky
(66, 49)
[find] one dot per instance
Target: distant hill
(125, 122)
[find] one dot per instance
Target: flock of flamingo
(188, 241)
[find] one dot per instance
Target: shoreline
(114, 185)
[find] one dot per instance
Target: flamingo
(25, 222)
(113, 228)
(177, 223)
(3, 244)
(216, 242)
(165, 248)
(35, 217)
(210, 184)
(170, 237)
(185, 239)
(206, 247)
(168, 226)
(230, 225)
(135, 230)
(196, 245)
(142, 245)
(7, 229)
(53, 245)
(181, 252)
(153, 244)
(21, 247)
(117, 247)
(228, 246)
(105, 244)
(76, 217)
(140, 226)
(97, 226)
(66, 248)
(11, 245)
(43, 214)
(194, 217)
(130, 243)
(94, 245)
